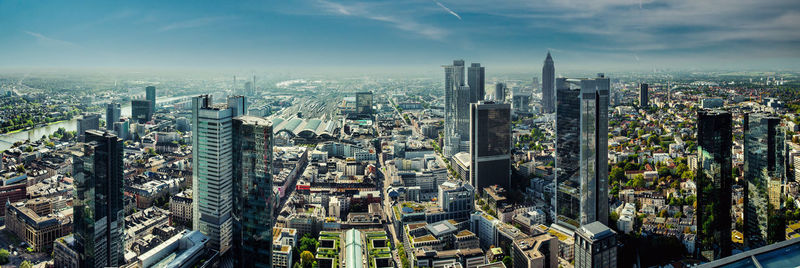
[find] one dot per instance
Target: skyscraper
(476, 79)
(112, 115)
(490, 145)
(713, 180)
(141, 111)
(595, 246)
(87, 122)
(548, 85)
(151, 96)
(582, 151)
(500, 92)
(764, 156)
(212, 179)
(253, 198)
(364, 103)
(99, 214)
(644, 97)
(238, 105)
(453, 81)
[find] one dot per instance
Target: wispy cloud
(49, 41)
(448, 9)
(194, 23)
(368, 11)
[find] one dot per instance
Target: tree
(507, 261)
(26, 264)
(4, 256)
(308, 243)
(617, 174)
(307, 258)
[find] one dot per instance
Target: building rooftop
(595, 231)
(781, 254)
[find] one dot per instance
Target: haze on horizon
(334, 35)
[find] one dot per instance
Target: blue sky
(329, 34)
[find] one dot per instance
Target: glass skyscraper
(476, 79)
(112, 115)
(98, 211)
(764, 143)
(150, 95)
(453, 81)
(713, 180)
(582, 151)
(212, 179)
(253, 197)
(141, 111)
(490, 145)
(548, 84)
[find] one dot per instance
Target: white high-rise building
(212, 178)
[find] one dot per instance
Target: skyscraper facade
(713, 180)
(150, 95)
(490, 145)
(238, 105)
(500, 92)
(595, 246)
(548, 85)
(476, 79)
(453, 79)
(85, 123)
(764, 157)
(212, 179)
(644, 97)
(253, 197)
(582, 151)
(99, 214)
(364, 103)
(113, 111)
(141, 111)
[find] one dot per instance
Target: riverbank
(23, 129)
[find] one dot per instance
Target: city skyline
(323, 34)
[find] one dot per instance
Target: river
(8, 139)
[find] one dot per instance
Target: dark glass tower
(763, 172)
(500, 92)
(141, 111)
(644, 97)
(548, 85)
(476, 76)
(253, 197)
(582, 151)
(713, 180)
(453, 81)
(150, 95)
(98, 210)
(112, 115)
(490, 145)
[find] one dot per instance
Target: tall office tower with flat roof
(453, 81)
(714, 181)
(490, 145)
(252, 189)
(644, 95)
(150, 95)
(764, 170)
(113, 111)
(581, 151)
(212, 176)
(548, 85)
(476, 79)
(99, 224)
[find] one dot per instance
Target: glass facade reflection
(713, 182)
(763, 166)
(253, 197)
(490, 144)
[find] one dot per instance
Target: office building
(476, 76)
(500, 92)
(248, 87)
(253, 197)
(595, 246)
(212, 179)
(644, 97)
(521, 100)
(183, 250)
(112, 115)
(150, 95)
(490, 145)
(581, 151)
(141, 111)
(453, 83)
(781, 254)
(764, 158)
(64, 254)
(713, 180)
(364, 103)
(238, 105)
(548, 85)
(712, 103)
(98, 211)
(87, 122)
(38, 229)
(123, 129)
(540, 251)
